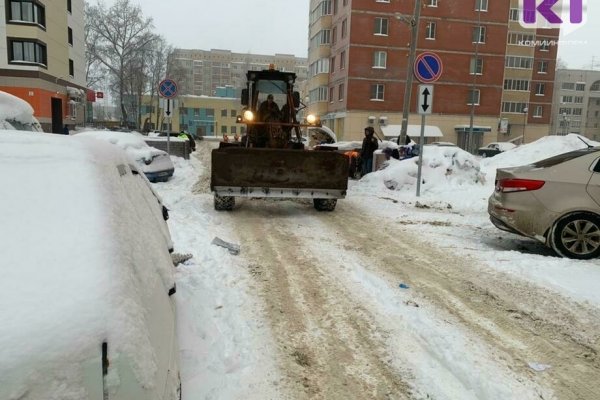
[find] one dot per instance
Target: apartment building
(577, 103)
(42, 58)
(495, 73)
(201, 72)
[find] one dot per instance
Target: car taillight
(518, 185)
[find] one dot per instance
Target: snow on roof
(72, 273)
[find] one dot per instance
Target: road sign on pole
(428, 67)
(167, 88)
(425, 99)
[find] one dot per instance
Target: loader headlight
(312, 119)
(248, 115)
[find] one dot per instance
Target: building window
(382, 1)
(578, 100)
(317, 95)
(481, 5)
(577, 111)
(341, 92)
(381, 26)
(70, 36)
(27, 52)
(379, 59)
(332, 64)
(345, 3)
(476, 67)
(595, 87)
(72, 109)
(71, 68)
(223, 113)
(233, 130)
(521, 39)
(335, 7)
(430, 31)
(27, 11)
(479, 34)
(331, 95)
(540, 89)
(538, 112)
(518, 62)
(514, 14)
(377, 92)
(344, 28)
(513, 107)
(580, 87)
(334, 35)
(432, 3)
(223, 129)
(566, 99)
(473, 97)
(545, 45)
(232, 113)
(343, 59)
(69, 8)
(516, 84)
(543, 67)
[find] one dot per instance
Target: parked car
(17, 114)
(87, 284)
(555, 201)
(154, 163)
(495, 148)
(444, 144)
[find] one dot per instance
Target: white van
(87, 289)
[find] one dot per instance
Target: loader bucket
(285, 173)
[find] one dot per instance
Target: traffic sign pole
(424, 106)
(167, 88)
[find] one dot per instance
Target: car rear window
(561, 158)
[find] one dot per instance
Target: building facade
(577, 103)
(495, 73)
(197, 115)
(201, 72)
(42, 58)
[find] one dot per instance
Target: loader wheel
(224, 203)
(325, 204)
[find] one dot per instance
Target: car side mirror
(245, 97)
(296, 98)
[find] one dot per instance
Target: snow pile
(132, 143)
(14, 108)
(442, 166)
(541, 149)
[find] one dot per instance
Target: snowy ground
(482, 314)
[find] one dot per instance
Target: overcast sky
(281, 26)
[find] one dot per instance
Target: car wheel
(224, 203)
(577, 236)
(325, 204)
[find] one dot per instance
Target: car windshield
(561, 158)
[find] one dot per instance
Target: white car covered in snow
(17, 114)
(154, 163)
(86, 295)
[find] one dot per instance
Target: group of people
(370, 144)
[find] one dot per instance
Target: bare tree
(120, 33)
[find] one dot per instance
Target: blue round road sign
(428, 67)
(167, 88)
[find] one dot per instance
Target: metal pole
(421, 147)
(409, 71)
(169, 137)
(524, 122)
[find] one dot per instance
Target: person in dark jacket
(369, 145)
(66, 130)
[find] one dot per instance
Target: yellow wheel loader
(270, 159)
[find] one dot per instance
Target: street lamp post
(524, 122)
(414, 23)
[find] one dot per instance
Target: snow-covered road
(379, 299)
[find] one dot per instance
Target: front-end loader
(270, 159)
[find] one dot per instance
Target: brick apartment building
(42, 58)
(492, 67)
